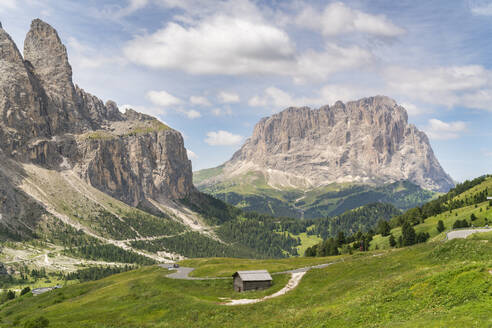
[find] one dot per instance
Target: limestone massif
(46, 120)
(364, 141)
(312, 163)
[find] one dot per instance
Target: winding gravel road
(465, 233)
(295, 279)
(184, 272)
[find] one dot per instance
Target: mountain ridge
(363, 141)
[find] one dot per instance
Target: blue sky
(212, 69)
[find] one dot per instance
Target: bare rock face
(21, 110)
(367, 141)
(131, 163)
(46, 120)
(46, 53)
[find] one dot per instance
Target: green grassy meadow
(481, 211)
(436, 284)
(225, 267)
(307, 241)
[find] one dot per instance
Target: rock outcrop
(365, 141)
(46, 120)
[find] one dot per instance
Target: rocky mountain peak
(48, 56)
(366, 141)
(8, 49)
(48, 121)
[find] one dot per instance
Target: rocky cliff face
(46, 120)
(367, 141)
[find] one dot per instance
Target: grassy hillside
(252, 193)
(430, 285)
(460, 204)
(205, 174)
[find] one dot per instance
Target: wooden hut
(251, 280)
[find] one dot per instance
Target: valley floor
(437, 284)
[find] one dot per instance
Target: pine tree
(10, 295)
(384, 228)
(340, 238)
(440, 226)
(25, 290)
(392, 241)
(408, 235)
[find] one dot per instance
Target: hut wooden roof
(256, 275)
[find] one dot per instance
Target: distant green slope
(199, 176)
(429, 285)
(251, 192)
(460, 203)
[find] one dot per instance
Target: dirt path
(465, 233)
(293, 282)
(296, 276)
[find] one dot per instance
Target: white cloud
(228, 97)
(318, 65)
(437, 129)
(199, 100)
(8, 4)
(277, 98)
(337, 19)
(192, 114)
(468, 86)
(482, 9)
(222, 111)
(121, 12)
(239, 45)
(193, 10)
(162, 98)
(46, 12)
(83, 56)
(415, 110)
(222, 138)
(191, 155)
(217, 45)
(124, 107)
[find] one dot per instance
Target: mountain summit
(47, 120)
(305, 161)
(363, 141)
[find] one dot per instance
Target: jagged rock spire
(8, 49)
(48, 56)
(20, 107)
